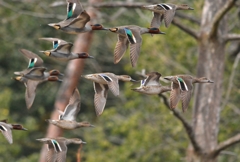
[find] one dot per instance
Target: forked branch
(186, 125)
(224, 145)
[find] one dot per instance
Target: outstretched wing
(73, 106)
(100, 97)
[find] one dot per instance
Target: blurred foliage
(133, 127)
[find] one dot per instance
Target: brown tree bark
(207, 108)
(72, 74)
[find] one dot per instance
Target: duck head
(98, 27)
(18, 127)
(185, 7)
(84, 55)
(155, 31)
(77, 141)
(56, 26)
(126, 78)
(54, 79)
(203, 80)
(85, 124)
(55, 73)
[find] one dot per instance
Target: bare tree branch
(218, 17)
(230, 82)
(34, 14)
(224, 145)
(232, 37)
(186, 125)
(186, 29)
(188, 17)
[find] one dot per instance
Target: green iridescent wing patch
(55, 44)
(182, 84)
(70, 10)
(130, 36)
(56, 146)
(32, 62)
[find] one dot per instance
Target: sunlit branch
(224, 145)
(232, 37)
(186, 125)
(186, 29)
(219, 15)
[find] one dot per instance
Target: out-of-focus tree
(133, 127)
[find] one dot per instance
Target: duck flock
(128, 35)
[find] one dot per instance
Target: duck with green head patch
(101, 83)
(76, 20)
(62, 50)
(182, 86)
(130, 34)
(57, 147)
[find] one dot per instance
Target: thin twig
(224, 145)
(230, 82)
(186, 125)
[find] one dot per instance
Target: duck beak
(167, 77)
(190, 8)
(54, 26)
(150, 7)
(161, 32)
(47, 53)
(91, 57)
(132, 80)
(105, 28)
(92, 125)
(210, 81)
(84, 142)
(24, 129)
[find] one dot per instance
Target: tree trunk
(208, 96)
(72, 74)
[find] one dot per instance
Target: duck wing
(169, 15)
(80, 21)
(30, 92)
(112, 82)
(73, 107)
(120, 48)
(6, 131)
(186, 95)
(174, 95)
(152, 79)
(100, 97)
(74, 8)
(64, 48)
(135, 48)
(156, 20)
(33, 59)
